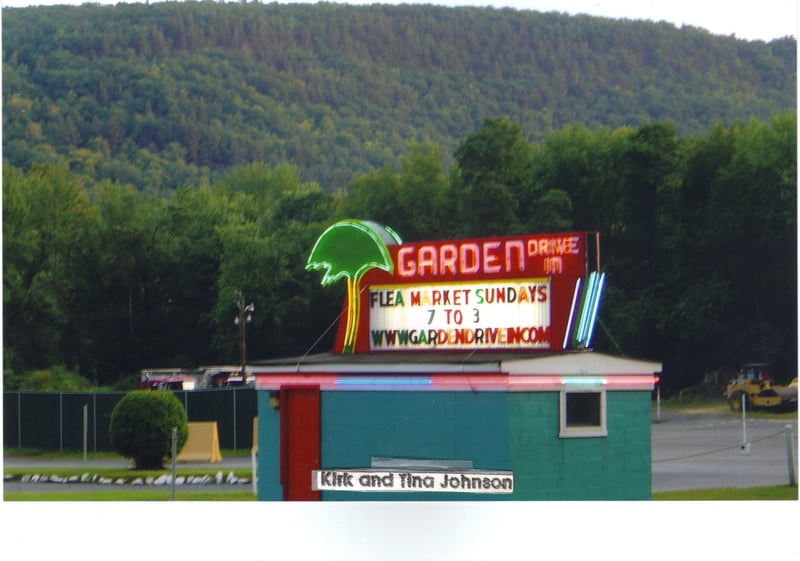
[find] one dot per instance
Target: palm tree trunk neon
(353, 305)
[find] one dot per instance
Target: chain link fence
(54, 420)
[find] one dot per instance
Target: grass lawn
(127, 492)
(122, 473)
(776, 493)
(159, 494)
(111, 472)
(720, 406)
(77, 455)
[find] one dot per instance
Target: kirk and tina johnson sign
(405, 481)
(528, 292)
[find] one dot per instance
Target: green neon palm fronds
(348, 249)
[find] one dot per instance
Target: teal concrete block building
(572, 426)
(461, 370)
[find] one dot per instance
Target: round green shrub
(141, 427)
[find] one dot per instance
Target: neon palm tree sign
(522, 292)
(348, 249)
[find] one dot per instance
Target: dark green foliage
(168, 94)
(493, 165)
(697, 238)
(54, 379)
(141, 427)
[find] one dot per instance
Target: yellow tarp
(202, 444)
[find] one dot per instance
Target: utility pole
(244, 316)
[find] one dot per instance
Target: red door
(299, 441)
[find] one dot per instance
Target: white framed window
(582, 413)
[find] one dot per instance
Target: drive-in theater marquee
(527, 292)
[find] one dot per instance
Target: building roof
(457, 370)
(512, 362)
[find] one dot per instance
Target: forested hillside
(169, 94)
(698, 239)
(158, 158)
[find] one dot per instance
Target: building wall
(269, 450)
(495, 430)
(547, 467)
(426, 425)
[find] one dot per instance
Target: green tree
(650, 172)
(492, 168)
(45, 217)
(424, 209)
(121, 306)
(54, 379)
(141, 427)
(754, 236)
(586, 166)
(375, 196)
(193, 246)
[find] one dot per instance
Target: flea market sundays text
(455, 315)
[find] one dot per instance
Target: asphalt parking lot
(701, 449)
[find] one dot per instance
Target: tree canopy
(697, 236)
(177, 93)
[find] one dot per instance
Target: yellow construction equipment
(754, 382)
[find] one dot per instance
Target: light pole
(243, 317)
